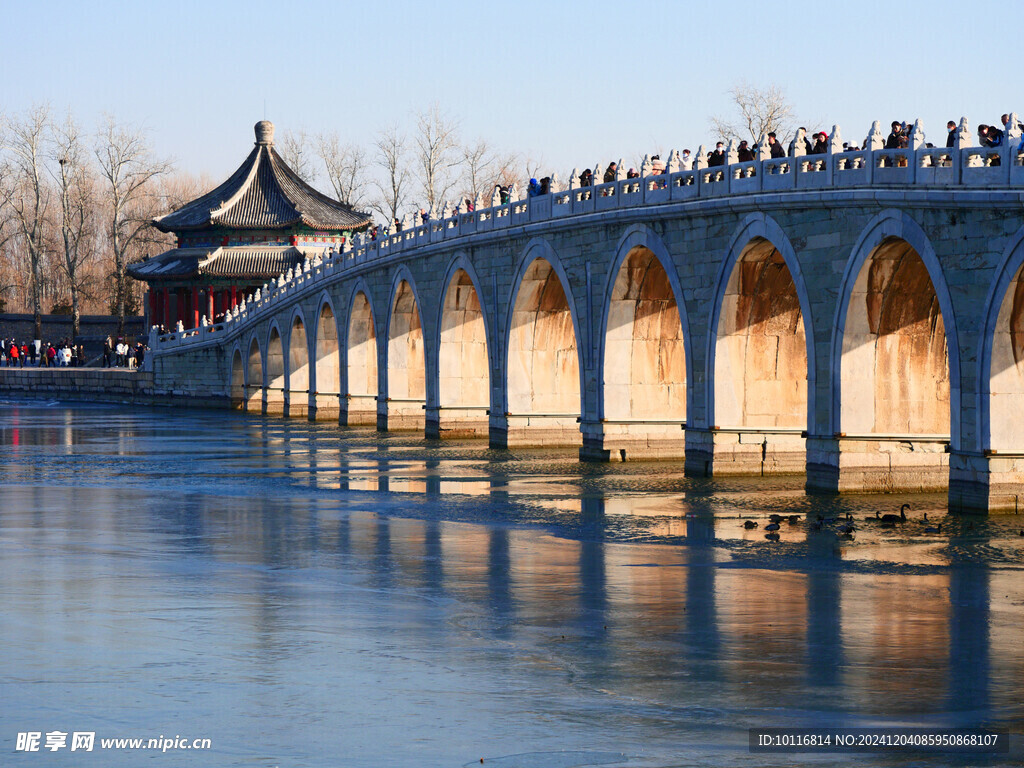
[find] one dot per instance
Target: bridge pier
(357, 411)
(744, 451)
(877, 463)
(980, 482)
(324, 407)
(401, 415)
(296, 405)
(533, 430)
(274, 403)
(456, 421)
(626, 440)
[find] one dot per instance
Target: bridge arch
(544, 369)
(326, 369)
(237, 379)
(298, 365)
(895, 354)
(643, 351)
(760, 389)
(405, 376)
(276, 375)
(463, 340)
(1000, 384)
(254, 376)
(360, 382)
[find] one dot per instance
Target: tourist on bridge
(951, 137)
(686, 161)
(533, 189)
(774, 146)
(989, 136)
(820, 144)
(610, 173)
(897, 138)
(744, 154)
(717, 158)
(107, 350)
(14, 355)
(587, 178)
(24, 354)
(51, 355)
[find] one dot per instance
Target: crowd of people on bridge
(815, 143)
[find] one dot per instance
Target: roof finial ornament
(265, 133)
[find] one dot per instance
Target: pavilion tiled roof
(240, 262)
(264, 193)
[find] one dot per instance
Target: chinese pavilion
(255, 226)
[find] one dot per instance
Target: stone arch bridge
(857, 316)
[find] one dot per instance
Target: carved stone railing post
(764, 149)
(798, 146)
(835, 141)
(875, 139)
(702, 158)
(672, 166)
(917, 137)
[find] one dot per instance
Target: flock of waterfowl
(846, 526)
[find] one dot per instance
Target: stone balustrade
(917, 166)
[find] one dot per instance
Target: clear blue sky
(571, 83)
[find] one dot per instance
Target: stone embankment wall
(104, 385)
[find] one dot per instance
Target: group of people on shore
(122, 354)
(40, 354)
(67, 355)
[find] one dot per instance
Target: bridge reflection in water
(242, 588)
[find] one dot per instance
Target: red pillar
(194, 314)
(165, 308)
(152, 307)
(181, 305)
(209, 304)
(234, 297)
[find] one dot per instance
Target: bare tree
(26, 192)
(437, 155)
(76, 187)
(294, 149)
(392, 160)
(483, 169)
(346, 168)
(127, 168)
(759, 111)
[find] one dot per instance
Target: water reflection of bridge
(662, 624)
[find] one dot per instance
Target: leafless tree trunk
(126, 167)
(437, 155)
(26, 192)
(483, 169)
(760, 111)
(77, 199)
(391, 159)
(293, 146)
(346, 168)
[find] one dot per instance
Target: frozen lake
(308, 596)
